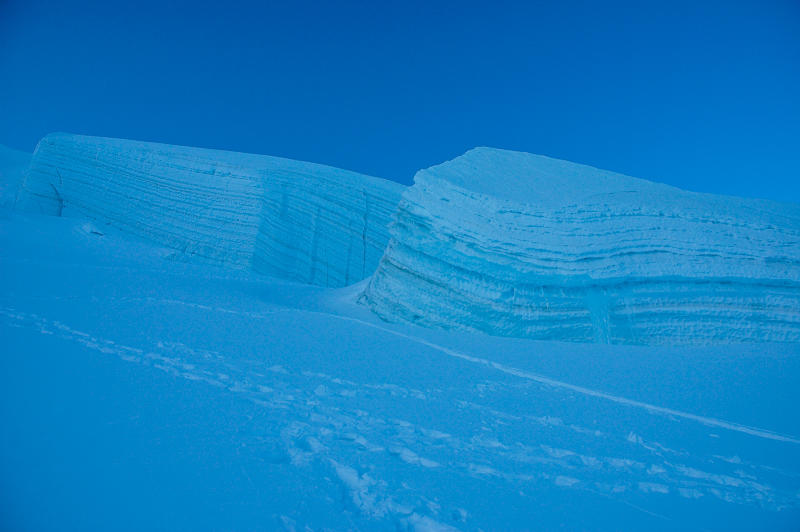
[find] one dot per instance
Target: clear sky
(703, 95)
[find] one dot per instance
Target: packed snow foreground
(198, 339)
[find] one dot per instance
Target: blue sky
(702, 95)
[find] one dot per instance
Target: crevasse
(297, 220)
(516, 244)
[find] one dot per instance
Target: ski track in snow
(324, 427)
(711, 422)
(705, 420)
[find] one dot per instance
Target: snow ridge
(515, 244)
(292, 219)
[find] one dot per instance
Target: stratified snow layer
(516, 244)
(298, 220)
(322, 225)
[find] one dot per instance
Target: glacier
(297, 220)
(140, 393)
(516, 244)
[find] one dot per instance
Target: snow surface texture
(292, 219)
(144, 394)
(523, 245)
(12, 167)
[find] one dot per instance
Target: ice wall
(283, 217)
(323, 225)
(517, 244)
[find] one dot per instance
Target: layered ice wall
(204, 204)
(323, 225)
(517, 244)
(298, 220)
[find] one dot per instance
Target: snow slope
(516, 244)
(299, 220)
(12, 166)
(143, 394)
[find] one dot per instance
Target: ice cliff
(296, 220)
(516, 244)
(502, 242)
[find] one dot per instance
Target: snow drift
(297, 220)
(516, 244)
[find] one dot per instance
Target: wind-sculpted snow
(516, 244)
(297, 220)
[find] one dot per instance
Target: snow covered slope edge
(515, 244)
(12, 167)
(304, 221)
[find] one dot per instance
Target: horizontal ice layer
(322, 225)
(516, 244)
(307, 222)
